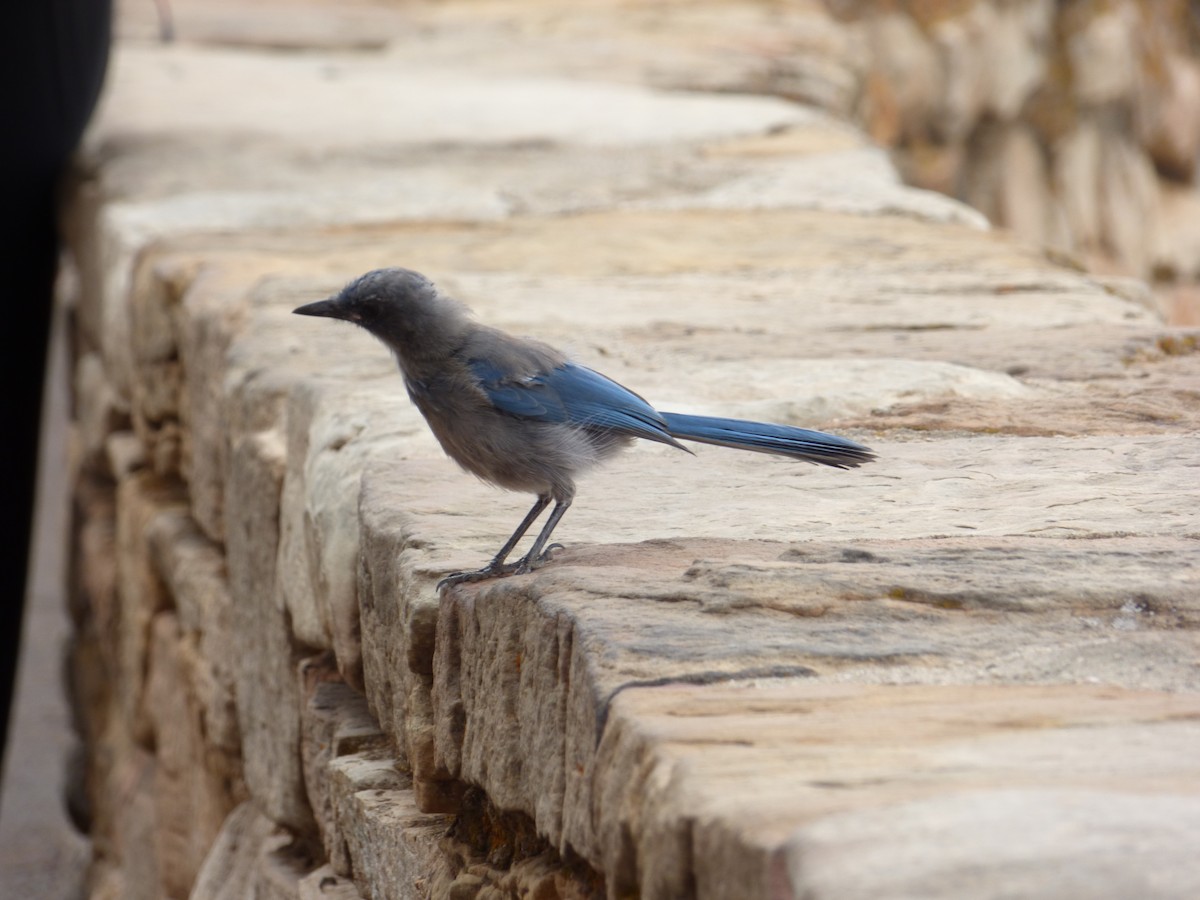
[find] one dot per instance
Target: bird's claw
(523, 566)
(491, 570)
(527, 565)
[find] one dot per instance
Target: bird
(518, 413)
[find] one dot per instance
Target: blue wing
(574, 395)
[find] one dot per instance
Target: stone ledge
(312, 465)
(742, 677)
(559, 652)
(839, 790)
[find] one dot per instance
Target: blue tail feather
(763, 437)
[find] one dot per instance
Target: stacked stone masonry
(1076, 124)
(969, 669)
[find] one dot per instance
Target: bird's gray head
(404, 310)
(386, 302)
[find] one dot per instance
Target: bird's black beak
(329, 308)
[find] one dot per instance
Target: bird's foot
(526, 565)
(491, 570)
(494, 569)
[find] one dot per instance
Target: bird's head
(386, 302)
(404, 310)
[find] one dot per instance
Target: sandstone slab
(232, 868)
(336, 723)
(1020, 765)
(141, 499)
(193, 790)
(267, 681)
(396, 848)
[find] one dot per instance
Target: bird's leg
(542, 501)
(497, 566)
(537, 555)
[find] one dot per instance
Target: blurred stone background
(1075, 123)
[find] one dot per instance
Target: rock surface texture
(1076, 124)
(968, 669)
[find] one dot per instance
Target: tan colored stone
(1088, 485)
(1128, 204)
(1077, 161)
(1014, 45)
(1028, 206)
(820, 135)
(370, 772)
(1176, 253)
(281, 870)
(141, 498)
(1181, 306)
(205, 329)
(125, 824)
(466, 886)
(910, 77)
(399, 621)
(99, 411)
(304, 28)
(124, 453)
(231, 869)
(463, 108)
(395, 847)
(1102, 50)
(336, 723)
(194, 788)
(268, 693)
(965, 77)
(801, 55)
(325, 884)
(155, 389)
(1022, 761)
(193, 568)
(1169, 117)
(1008, 183)
(300, 567)
(106, 882)
(819, 182)
(94, 591)
(237, 371)
(330, 431)
(529, 663)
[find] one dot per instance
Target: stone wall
(968, 669)
(1076, 124)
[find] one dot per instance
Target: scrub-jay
(517, 413)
